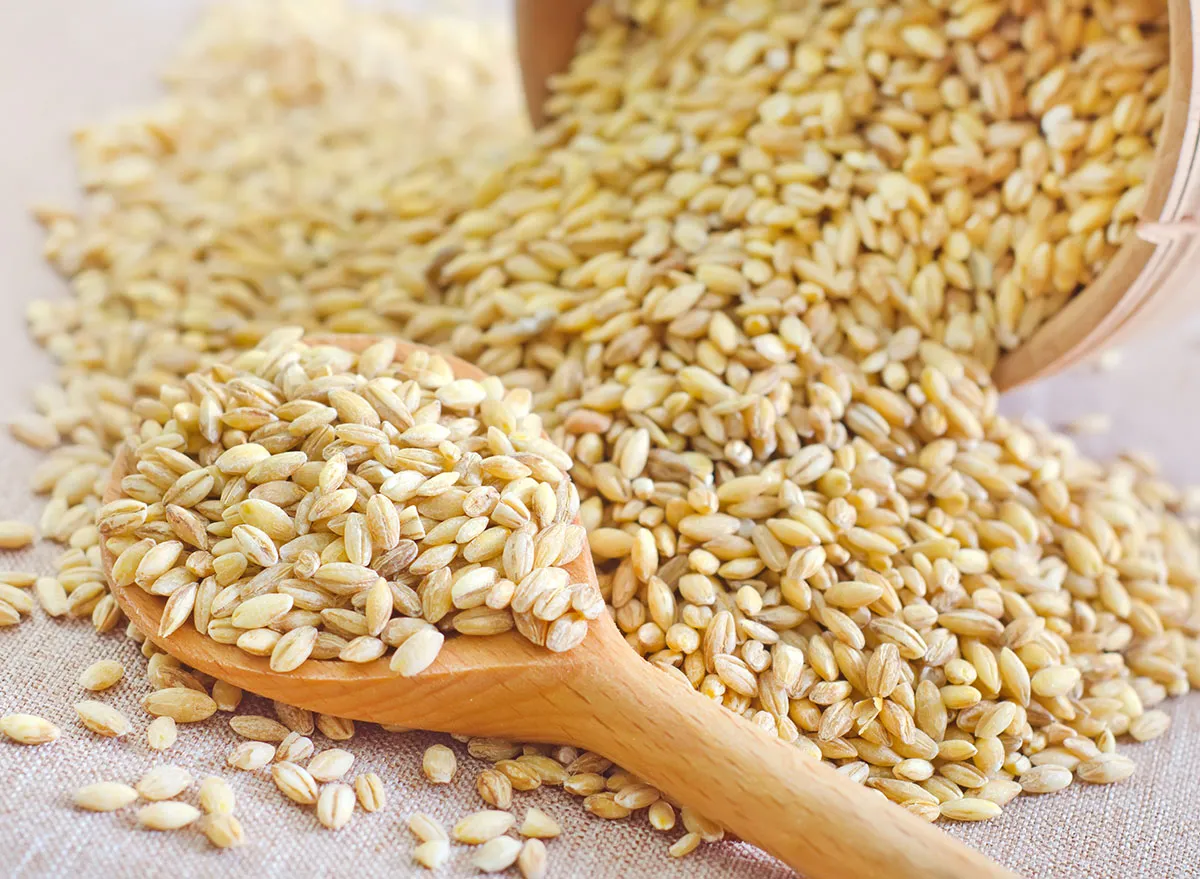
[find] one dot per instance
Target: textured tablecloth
(63, 63)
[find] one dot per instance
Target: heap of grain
(754, 274)
(310, 501)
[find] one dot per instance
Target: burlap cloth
(63, 62)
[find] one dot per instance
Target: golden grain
(29, 729)
(104, 796)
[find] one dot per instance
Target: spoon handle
(752, 783)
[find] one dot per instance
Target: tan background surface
(65, 62)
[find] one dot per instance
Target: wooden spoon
(1143, 279)
(604, 697)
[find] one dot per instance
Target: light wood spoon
(604, 697)
(1144, 284)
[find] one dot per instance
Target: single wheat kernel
(439, 764)
(480, 827)
(497, 854)
(223, 830)
(295, 748)
(661, 815)
(330, 765)
(15, 535)
(295, 783)
(338, 729)
(637, 796)
(684, 846)
(368, 787)
(51, 596)
(969, 809)
(164, 783)
(29, 729)
(532, 861)
(1105, 769)
(182, 704)
(604, 805)
(494, 788)
(335, 806)
(9, 615)
(102, 719)
(226, 696)
(298, 720)
(101, 675)
(258, 728)
(104, 796)
(432, 854)
(17, 599)
(216, 796)
(539, 825)
(1150, 725)
(426, 828)
(167, 815)
(250, 756)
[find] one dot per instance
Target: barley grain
(439, 764)
(684, 846)
(1105, 769)
(182, 704)
(250, 756)
(216, 796)
(335, 806)
(969, 809)
(480, 827)
(164, 783)
(104, 796)
(15, 535)
(226, 696)
(425, 828)
(102, 719)
(741, 460)
(432, 854)
(338, 729)
(368, 787)
(16, 599)
(496, 855)
(532, 860)
(101, 675)
(295, 783)
(51, 596)
(662, 815)
(29, 729)
(258, 728)
(330, 765)
(223, 830)
(1149, 725)
(538, 824)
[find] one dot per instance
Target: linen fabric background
(64, 63)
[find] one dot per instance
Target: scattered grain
(101, 675)
(29, 729)
(167, 815)
(483, 826)
(104, 796)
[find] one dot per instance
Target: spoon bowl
(1148, 280)
(602, 696)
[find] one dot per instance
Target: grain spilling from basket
(751, 278)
